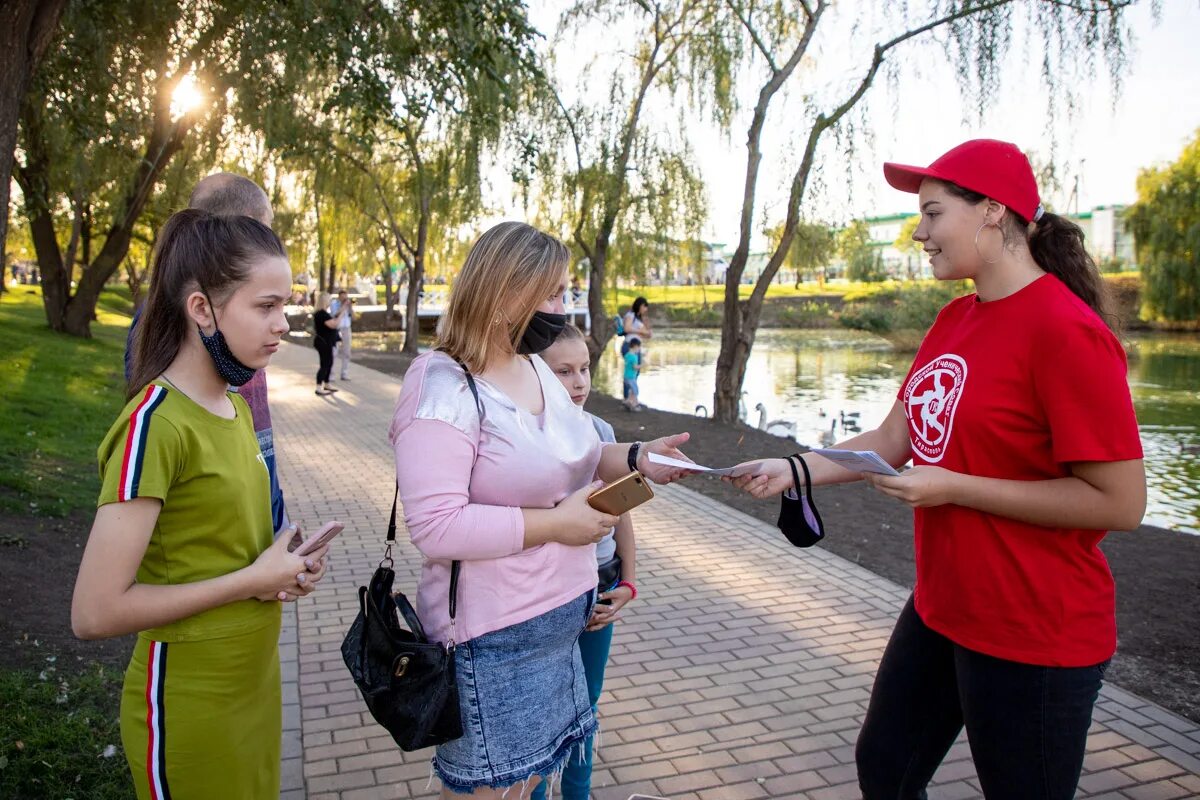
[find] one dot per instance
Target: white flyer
(858, 460)
(667, 461)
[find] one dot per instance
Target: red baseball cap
(988, 166)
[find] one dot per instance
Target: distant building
(1106, 236)
(885, 231)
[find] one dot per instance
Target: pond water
(810, 378)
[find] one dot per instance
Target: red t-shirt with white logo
(1017, 388)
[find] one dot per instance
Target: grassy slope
(61, 395)
(60, 736)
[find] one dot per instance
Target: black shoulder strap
(455, 566)
(391, 531)
(474, 389)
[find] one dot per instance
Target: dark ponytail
(1056, 244)
(195, 251)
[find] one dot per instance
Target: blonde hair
(571, 333)
(510, 261)
(323, 301)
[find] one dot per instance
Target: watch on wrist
(633, 456)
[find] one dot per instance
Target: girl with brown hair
(181, 548)
(1017, 416)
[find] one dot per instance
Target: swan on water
(776, 427)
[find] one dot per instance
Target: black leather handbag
(407, 681)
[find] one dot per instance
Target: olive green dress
(201, 714)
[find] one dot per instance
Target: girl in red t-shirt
(1017, 416)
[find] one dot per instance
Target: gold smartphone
(621, 495)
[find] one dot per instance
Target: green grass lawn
(60, 737)
(61, 394)
(714, 294)
(59, 731)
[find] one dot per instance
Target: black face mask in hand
(798, 516)
(541, 332)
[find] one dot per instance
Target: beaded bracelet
(632, 588)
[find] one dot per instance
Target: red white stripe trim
(135, 442)
(156, 768)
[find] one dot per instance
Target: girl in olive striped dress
(182, 549)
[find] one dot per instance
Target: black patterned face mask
(798, 517)
(234, 372)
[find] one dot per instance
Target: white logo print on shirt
(930, 400)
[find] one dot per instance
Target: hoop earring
(1003, 241)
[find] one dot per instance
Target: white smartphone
(326, 534)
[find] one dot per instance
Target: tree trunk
(412, 322)
(602, 327)
(26, 29)
(731, 367)
(389, 299)
(56, 292)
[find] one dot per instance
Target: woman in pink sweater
(501, 485)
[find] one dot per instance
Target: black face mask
(798, 516)
(541, 332)
(234, 372)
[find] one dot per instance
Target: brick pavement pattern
(742, 671)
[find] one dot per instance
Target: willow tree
(621, 189)
(417, 120)
(1166, 224)
(424, 173)
(813, 245)
(112, 82)
(107, 97)
(975, 36)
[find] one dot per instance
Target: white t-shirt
(606, 548)
(633, 326)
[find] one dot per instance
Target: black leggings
(325, 351)
(1027, 725)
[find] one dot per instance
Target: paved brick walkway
(741, 672)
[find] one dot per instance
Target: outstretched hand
(919, 487)
(763, 478)
(665, 446)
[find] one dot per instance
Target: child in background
(616, 556)
(633, 367)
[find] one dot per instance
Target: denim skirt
(524, 701)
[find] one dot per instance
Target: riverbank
(899, 310)
(1159, 652)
